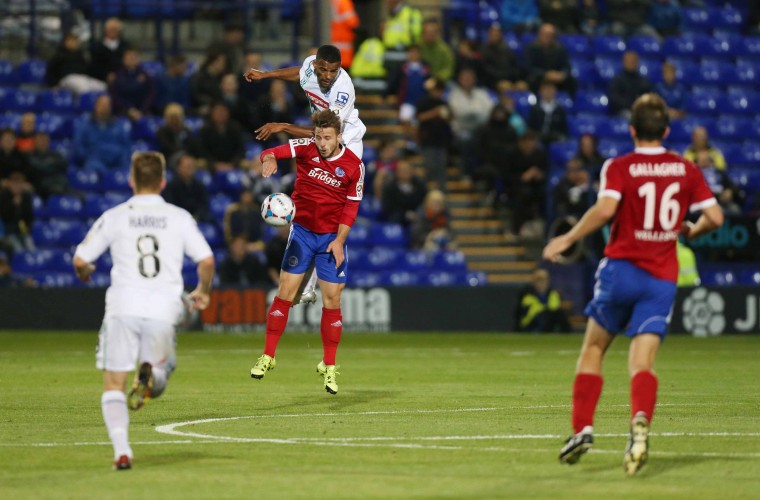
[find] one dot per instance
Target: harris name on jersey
(148, 222)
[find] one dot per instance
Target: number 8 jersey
(655, 189)
(148, 239)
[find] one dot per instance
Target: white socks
(114, 405)
(312, 283)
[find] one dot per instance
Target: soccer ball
(278, 209)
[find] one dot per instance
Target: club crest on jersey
(341, 99)
(340, 172)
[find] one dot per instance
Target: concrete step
(379, 116)
(514, 267)
(480, 240)
(489, 254)
(471, 198)
(508, 278)
(483, 213)
(369, 101)
(468, 225)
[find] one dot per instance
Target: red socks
(586, 391)
(643, 394)
(276, 321)
(331, 328)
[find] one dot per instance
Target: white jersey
(340, 99)
(148, 239)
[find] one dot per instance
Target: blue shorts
(306, 248)
(626, 296)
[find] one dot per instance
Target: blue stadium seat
(704, 103)
(607, 67)
(95, 205)
(139, 146)
(56, 280)
(585, 72)
(615, 127)
(7, 74)
(212, 234)
(696, 19)
(608, 44)
(645, 45)
(400, 278)
(194, 123)
(145, 129)
(206, 179)
(153, 68)
(21, 101)
(443, 278)
(9, 120)
(31, 72)
(363, 279)
(590, 101)
(476, 278)
(61, 262)
(748, 72)
(719, 278)
(56, 101)
(728, 127)
(46, 234)
(750, 46)
(99, 280)
(450, 261)
(389, 235)
(230, 182)
(561, 152)
(680, 130)
(415, 261)
(720, 73)
(751, 154)
(585, 123)
(56, 126)
(687, 71)
(369, 154)
(218, 205)
(576, 45)
(370, 207)
(722, 46)
(686, 45)
(651, 68)
(253, 150)
(31, 261)
(64, 147)
(87, 101)
(610, 147)
(749, 277)
(115, 180)
(39, 208)
(64, 206)
(523, 101)
(359, 235)
(729, 18)
(82, 180)
(383, 259)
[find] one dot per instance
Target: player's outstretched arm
(289, 74)
(594, 218)
(711, 218)
(266, 131)
(83, 269)
(201, 295)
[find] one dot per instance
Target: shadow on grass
(341, 401)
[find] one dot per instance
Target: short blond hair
(173, 109)
(148, 170)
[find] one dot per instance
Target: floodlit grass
(418, 415)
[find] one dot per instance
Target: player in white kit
(148, 239)
(327, 86)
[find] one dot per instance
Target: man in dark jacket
(108, 53)
(242, 268)
(627, 85)
(187, 192)
(220, 141)
(546, 60)
(547, 117)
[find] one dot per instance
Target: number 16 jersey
(655, 189)
(148, 239)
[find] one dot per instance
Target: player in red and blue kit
(329, 186)
(646, 194)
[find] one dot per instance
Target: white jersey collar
(342, 150)
(146, 198)
(657, 150)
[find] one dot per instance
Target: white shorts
(126, 340)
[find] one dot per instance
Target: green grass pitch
(417, 416)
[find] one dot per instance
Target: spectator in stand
(108, 53)
(174, 85)
(515, 120)
(205, 83)
(589, 19)
(383, 169)
(369, 60)
(519, 16)
(572, 194)
(48, 167)
(243, 219)
(403, 195)
(241, 109)
(173, 136)
(242, 268)
(629, 17)
(435, 52)
(11, 159)
(665, 17)
(102, 142)
(434, 131)
(276, 106)
(342, 25)
(540, 308)
(589, 156)
(409, 86)
(26, 131)
(728, 195)
(563, 14)
(186, 191)
(467, 56)
(502, 72)
(16, 211)
(753, 18)
(275, 252)
(402, 28)
(673, 91)
(470, 108)
(526, 186)
(497, 141)
(254, 89)
(220, 141)
(7, 279)
(69, 68)
(431, 230)
(547, 116)
(546, 60)
(232, 46)
(700, 141)
(627, 85)
(133, 91)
